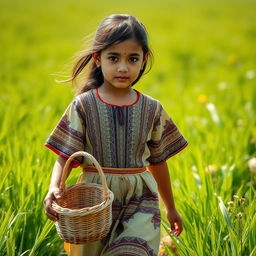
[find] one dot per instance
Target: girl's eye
(133, 59)
(112, 58)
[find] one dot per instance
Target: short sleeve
(68, 136)
(166, 139)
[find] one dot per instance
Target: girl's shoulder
(149, 97)
(151, 100)
(85, 96)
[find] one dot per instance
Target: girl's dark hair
(114, 29)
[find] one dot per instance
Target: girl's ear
(144, 60)
(96, 58)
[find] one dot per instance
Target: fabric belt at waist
(125, 171)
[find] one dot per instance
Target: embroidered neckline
(113, 105)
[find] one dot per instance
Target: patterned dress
(125, 140)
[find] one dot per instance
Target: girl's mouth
(122, 78)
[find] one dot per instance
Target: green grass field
(204, 74)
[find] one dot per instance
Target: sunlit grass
(204, 74)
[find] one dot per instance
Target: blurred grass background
(204, 74)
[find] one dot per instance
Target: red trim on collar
(98, 96)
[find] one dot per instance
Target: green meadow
(204, 73)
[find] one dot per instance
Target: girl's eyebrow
(116, 54)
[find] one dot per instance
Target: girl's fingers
(51, 214)
(178, 228)
(172, 225)
(57, 194)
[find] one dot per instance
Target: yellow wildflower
(167, 241)
(202, 98)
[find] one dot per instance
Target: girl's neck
(118, 96)
(118, 92)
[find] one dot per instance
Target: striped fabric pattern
(130, 136)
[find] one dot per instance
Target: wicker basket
(85, 210)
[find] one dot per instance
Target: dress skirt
(135, 230)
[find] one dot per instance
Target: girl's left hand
(175, 221)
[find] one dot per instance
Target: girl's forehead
(126, 47)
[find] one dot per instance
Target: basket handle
(96, 164)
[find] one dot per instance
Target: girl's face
(121, 63)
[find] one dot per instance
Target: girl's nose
(122, 68)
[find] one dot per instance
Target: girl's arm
(54, 192)
(162, 177)
(57, 172)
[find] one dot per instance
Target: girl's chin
(119, 84)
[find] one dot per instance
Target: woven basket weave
(85, 210)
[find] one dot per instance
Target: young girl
(129, 133)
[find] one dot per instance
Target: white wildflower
(212, 168)
(224, 167)
(212, 109)
(250, 74)
(222, 85)
(230, 203)
(194, 168)
(252, 165)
